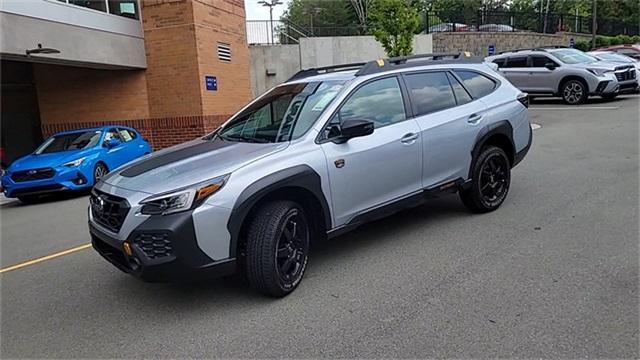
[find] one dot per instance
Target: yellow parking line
(44, 258)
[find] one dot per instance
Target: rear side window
(430, 92)
(462, 96)
(477, 84)
(516, 62)
(539, 61)
(500, 62)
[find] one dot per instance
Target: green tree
(321, 14)
(394, 22)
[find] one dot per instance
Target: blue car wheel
(99, 171)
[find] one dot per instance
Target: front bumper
(162, 248)
(64, 179)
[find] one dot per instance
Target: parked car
(321, 154)
(565, 72)
(450, 27)
(614, 57)
(72, 160)
(628, 50)
(496, 28)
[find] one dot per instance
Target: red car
(629, 50)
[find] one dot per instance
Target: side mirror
(550, 66)
(111, 143)
(354, 128)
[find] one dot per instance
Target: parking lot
(552, 273)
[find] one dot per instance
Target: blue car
(72, 160)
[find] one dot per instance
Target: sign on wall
(492, 49)
(211, 83)
(572, 43)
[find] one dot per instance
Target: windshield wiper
(242, 138)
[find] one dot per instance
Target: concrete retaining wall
(478, 42)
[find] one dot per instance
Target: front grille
(154, 245)
(626, 75)
(108, 210)
(37, 190)
(33, 174)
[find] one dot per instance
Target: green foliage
(394, 22)
(321, 13)
(583, 45)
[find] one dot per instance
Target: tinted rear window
(517, 62)
(430, 92)
(477, 84)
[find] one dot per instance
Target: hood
(54, 159)
(604, 65)
(187, 164)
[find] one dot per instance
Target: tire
(608, 96)
(99, 171)
(277, 248)
(491, 178)
(574, 92)
(29, 199)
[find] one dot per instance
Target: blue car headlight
(74, 163)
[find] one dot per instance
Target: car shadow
(559, 101)
(47, 198)
(216, 294)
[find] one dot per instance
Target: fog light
(127, 249)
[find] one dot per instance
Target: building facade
(173, 69)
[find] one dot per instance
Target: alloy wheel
(573, 92)
(99, 172)
(292, 247)
(494, 179)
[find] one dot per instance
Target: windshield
(615, 57)
(284, 114)
(72, 141)
(572, 56)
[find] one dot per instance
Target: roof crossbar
(403, 62)
(325, 69)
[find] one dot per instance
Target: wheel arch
(499, 134)
(572, 77)
(300, 184)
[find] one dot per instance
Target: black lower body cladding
(163, 248)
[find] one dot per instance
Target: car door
(115, 155)
(517, 71)
(449, 118)
(542, 79)
(371, 171)
(132, 144)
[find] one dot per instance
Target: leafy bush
(583, 45)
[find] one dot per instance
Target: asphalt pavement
(552, 274)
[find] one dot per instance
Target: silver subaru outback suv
(565, 72)
(319, 155)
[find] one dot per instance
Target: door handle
(409, 138)
(474, 119)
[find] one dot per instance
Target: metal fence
(286, 32)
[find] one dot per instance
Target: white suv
(565, 72)
(330, 149)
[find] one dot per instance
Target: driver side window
(379, 101)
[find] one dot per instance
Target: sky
(256, 11)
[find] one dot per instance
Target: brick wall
(478, 42)
(168, 102)
(222, 21)
(160, 132)
(72, 94)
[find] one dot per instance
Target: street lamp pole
(271, 4)
(594, 24)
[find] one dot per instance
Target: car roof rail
(517, 50)
(552, 47)
(324, 70)
(382, 65)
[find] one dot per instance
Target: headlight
(182, 199)
(599, 72)
(74, 163)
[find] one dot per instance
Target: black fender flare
(502, 127)
(300, 176)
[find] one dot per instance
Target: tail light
(524, 99)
